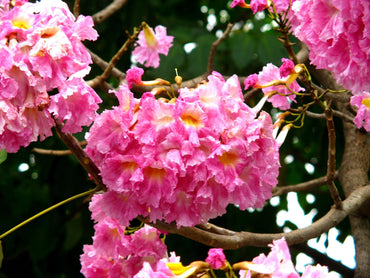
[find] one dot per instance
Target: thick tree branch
(234, 240)
(108, 11)
(353, 174)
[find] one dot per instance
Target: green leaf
(3, 156)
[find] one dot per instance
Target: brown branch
(336, 113)
(112, 63)
(330, 174)
(103, 65)
(52, 152)
(76, 8)
(85, 161)
(301, 187)
(324, 260)
(215, 44)
(108, 11)
(235, 240)
(56, 152)
(353, 174)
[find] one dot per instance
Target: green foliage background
(51, 245)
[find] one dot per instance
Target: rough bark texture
(353, 172)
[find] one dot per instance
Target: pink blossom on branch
(41, 51)
(116, 254)
(278, 263)
(337, 35)
(267, 79)
(183, 160)
(362, 102)
(151, 44)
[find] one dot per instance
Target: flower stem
(86, 193)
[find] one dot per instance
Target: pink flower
(41, 51)
(269, 76)
(75, 105)
(134, 75)
(258, 5)
(183, 160)
(240, 3)
(286, 68)
(278, 263)
(362, 102)
(151, 44)
(162, 271)
(115, 254)
(336, 32)
(216, 258)
(251, 81)
(317, 271)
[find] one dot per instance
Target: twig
(76, 8)
(108, 70)
(301, 187)
(235, 240)
(284, 29)
(108, 11)
(215, 44)
(330, 174)
(83, 194)
(56, 152)
(324, 260)
(336, 113)
(85, 161)
(103, 65)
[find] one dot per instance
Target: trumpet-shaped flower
(151, 44)
(276, 82)
(337, 35)
(362, 102)
(134, 76)
(183, 160)
(278, 263)
(117, 254)
(41, 51)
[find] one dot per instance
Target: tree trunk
(353, 174)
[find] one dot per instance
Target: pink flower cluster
(259, 5)
(151, 44)
(42, 65)
(279, 95)
(117, 254)
(337, 34)
(362, 102)
(185, 159)
(278, 264)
